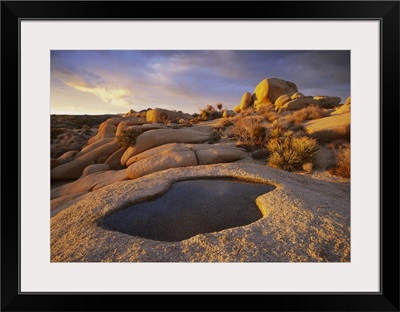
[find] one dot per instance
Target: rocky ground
(102, 164)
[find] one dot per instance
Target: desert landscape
(200, 156)
(295, 145)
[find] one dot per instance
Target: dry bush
(290, 152)
(128, 137)
(210, 112)
(342, 157)
(268, 112)
(248, 131)
(215, 136)
(307, 113)
(247, 112)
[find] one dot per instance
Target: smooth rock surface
(154, 138)
(89, 183)
(74, 168)
(297, 104)
(330, 128)
(298, 224)
(114, 161)
(215, 155)
(246, 101)
(164, 115)
(95, 168)
(161, 162)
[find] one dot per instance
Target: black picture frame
(12, 12)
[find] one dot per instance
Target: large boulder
(89, 183)
(342, 109)
(165, 115)
(74, 168)
(268, 91)
(143, 127)
(330, 128)
(246, 101)
(123, 125)
(218, 154)
(163, 149)
(95, 168)
(114, 161)
(54, 163)
(154, 138)
(282, 100)
(131, 113)
(228, 113)
(106, 130)
(161, 162)
(327, 101)
(297, 95)
(298, 103)
(67, 156)
(93, 146)
(114, 121)
(236, 109)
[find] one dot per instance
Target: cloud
(115, 96)
(188, 79)
(88, 82)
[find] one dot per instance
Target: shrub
(248, 131)
(342, 157)
(210, 112)
(128, 137)
(268, 112)
(247, 112)
(307, 113)
(290, 152)
(215, 136)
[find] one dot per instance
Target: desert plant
(268, 112)
(210, 112)
(128, 137)
(215, 136)
(307, 113)
(219, 106)
(342, 157)
(248, 131)
(196, 120)
(247, 112)
(290, 152)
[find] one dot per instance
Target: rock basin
(191, 207)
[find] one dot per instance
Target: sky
(115, 81)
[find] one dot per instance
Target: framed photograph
(199, 154)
